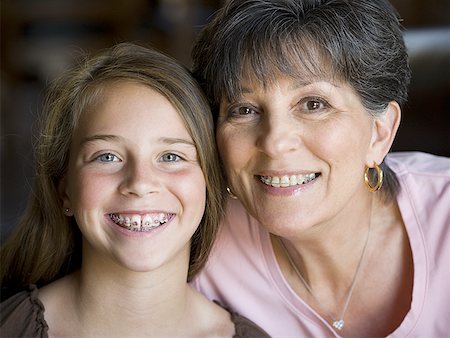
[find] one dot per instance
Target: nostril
(139, 185)
(275, 144)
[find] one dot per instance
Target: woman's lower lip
(286, 191)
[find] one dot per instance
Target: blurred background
(39, 39)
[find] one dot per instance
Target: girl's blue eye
(170, 158)
(108, 157)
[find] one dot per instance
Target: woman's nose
(278, 136)
(139, 180)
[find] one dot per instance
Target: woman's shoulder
(419, 163)
(239, 240)
(425, 177)
(22, 315)
(238, 223)
(424, 194)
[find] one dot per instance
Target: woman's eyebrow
(296, 84)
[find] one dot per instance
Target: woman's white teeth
(288, 180)
(139, 222)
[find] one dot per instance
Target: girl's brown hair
(46, 244)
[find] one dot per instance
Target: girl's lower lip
(137, 234)
(286, 191)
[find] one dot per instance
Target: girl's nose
(139, 180)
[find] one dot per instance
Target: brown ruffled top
(22, 315)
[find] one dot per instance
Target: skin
(123, 165)
(273, 133)
(300, 128)
(132, 155)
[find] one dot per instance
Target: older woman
(325, 234)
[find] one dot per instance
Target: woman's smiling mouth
(137, 222)
(288, 180)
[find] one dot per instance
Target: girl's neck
(159, 297)
(103, 299)
(157, 308)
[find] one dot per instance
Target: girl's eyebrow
(116, 138)
(94, 138)
(173, 140)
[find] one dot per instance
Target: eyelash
(170, 157)
(234, 111)
(241, 111)
(99, 158)
(315, 99)
(178, 158)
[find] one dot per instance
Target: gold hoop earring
(379, 178)
(233, 196)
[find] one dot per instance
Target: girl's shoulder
(244, 327)
(22, 315)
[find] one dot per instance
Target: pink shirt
(242, 271)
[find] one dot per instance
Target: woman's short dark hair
(358, 42)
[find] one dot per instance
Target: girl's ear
(62, 192)
(384, 130)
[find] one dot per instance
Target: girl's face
(134, 183)
(295, 152)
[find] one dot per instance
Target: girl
(125, 207)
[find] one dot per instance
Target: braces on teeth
(287, 181)
(138, 222)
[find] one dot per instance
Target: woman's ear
(62, 192)
(385, 128)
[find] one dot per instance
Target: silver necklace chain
(337, 323)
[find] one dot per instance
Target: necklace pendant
(338, 324)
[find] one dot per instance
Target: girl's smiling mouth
(138, 222)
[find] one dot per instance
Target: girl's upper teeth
(139, 222)
(287, 180)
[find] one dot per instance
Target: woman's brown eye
(313, 105)
(244, 111)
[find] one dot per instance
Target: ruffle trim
(244, 327)
(38, 310)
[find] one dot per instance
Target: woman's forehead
(249, 80)
(304, 63)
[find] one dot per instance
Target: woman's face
(134, 183)
(295, 152)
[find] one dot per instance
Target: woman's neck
(328, 258)
(328, 254)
